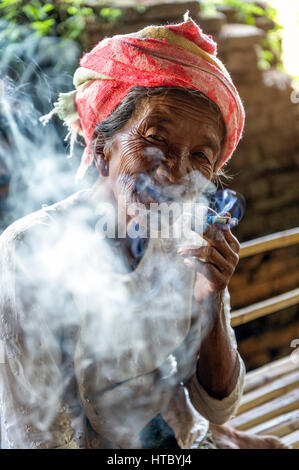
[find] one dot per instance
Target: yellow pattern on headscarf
(159, 32)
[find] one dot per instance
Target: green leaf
(271, 13)
(10, 16)
(251, 9)
(87, 11)
(250, 20)
(110, 13)
(43, 27)
(47, 7)
(31, 12)
(141, 9)
(268, 55)
(72, 10)
(8, 3)
(72, 27)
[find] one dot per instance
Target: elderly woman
(123, 342)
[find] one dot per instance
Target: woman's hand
(214, 263)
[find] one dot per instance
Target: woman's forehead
(166, 103)
(176, 99)
(179, 109)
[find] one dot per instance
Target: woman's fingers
(206, 254)
(232, 240)
(223, 240)
(214, 263)
(208, 271)
(221, 254)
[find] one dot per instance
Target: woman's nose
(165, 175)
(175, 170)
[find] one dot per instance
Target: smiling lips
(154, 195)
(151, 192)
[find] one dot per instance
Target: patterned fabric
(173, 55)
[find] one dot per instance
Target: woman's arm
(218, 394)
(218, 365)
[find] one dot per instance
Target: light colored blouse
(82, 338)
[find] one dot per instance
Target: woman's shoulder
(41, 222)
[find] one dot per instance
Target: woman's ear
(101, 161)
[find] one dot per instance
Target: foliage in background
(247, 12)
(65, 18)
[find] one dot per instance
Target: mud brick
(239, 36)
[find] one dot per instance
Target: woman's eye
(156, 137)
(200, 154)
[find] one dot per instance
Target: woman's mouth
(154, 196)
(149, 192)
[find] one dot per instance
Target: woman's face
(162, 151)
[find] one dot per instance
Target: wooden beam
(268, 373)
(258, 344)
(269, 410)
(265, 307)
(278, 426)
(269, 392)
(269, 242)
(292, 440)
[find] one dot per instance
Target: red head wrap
(173, 55)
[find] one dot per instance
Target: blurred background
(40, 44)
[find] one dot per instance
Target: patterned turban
(179, 55)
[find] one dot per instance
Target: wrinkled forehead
(180, 107)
